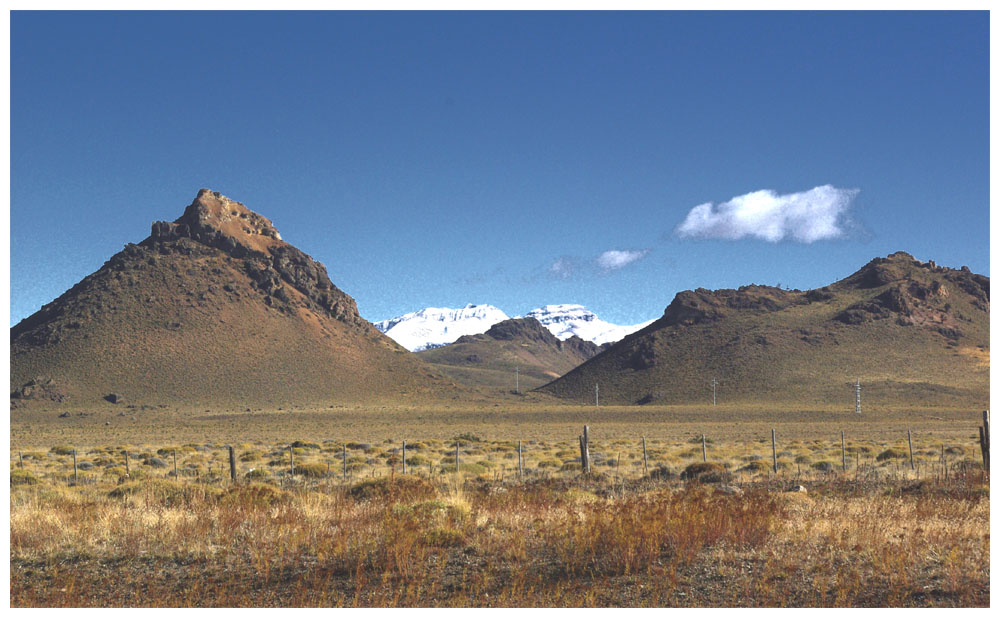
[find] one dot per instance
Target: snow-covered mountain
(564, 321)
(434, 327)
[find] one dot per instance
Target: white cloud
(807, 216)
(615, 259)
(563, 267)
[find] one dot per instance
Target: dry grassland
(630, 534)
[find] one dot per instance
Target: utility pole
(714, 382)
(517, 380)
(597, 395)
(857, 397)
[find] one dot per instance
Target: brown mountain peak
(522, 328)
(215, 220)
(211, 308)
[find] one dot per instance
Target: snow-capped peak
(564, 321)
(434, 327)
(437, 326)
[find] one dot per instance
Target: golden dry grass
(873, 536)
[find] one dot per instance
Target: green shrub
(705, 472)
(62, 450)
(892, 453)
(401, 488)
(466, 468)
(20, 476)
(661, 472)
(312, 470)
(444, 537)
(255, 495)
(754, 467)
(257, 474)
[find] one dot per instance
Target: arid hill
(914, 333)
(211, 309)
(520, 344)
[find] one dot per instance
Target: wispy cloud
(817, 214)
(574, 267)
(615, 259)
(564, 267)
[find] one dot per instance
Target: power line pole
(714, 382)
(857, 397)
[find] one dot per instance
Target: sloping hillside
(914, 333)
(211, 309)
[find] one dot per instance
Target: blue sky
(436, 159)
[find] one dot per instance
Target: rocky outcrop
(586, 349)
(44, 389)
(215, 221)
(701, 305)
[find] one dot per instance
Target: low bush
(444, 537)
(706, 472)
(754, 467)
(401, 488)
(255, 495)
(891, 453)
(312, 470)
(20, 476)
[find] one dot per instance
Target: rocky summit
(913, 332)
(212, 308)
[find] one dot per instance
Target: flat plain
(322, 514)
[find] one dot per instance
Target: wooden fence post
(774, 453)
(457, 443)
(520, 461)
(984, 440)
(704, 450)
(74, 466)
(909, 442)
(232, 464)
(982, 449)
(645, 462)
(404, 456)
(20, 460)
(128, 473)
(585, 450)
(345, 463)
(843, 452)
(175, 464)
(291, 459)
